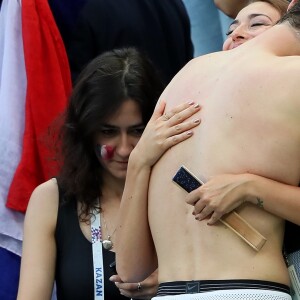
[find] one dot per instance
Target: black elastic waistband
(202, 286)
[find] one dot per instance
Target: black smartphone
(186, 180)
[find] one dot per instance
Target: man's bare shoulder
(289, 70)
(200, 64)
(294, 66)
(186, 85)
(206, 58)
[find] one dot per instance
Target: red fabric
(48, 87)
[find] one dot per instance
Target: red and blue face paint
(105, 152)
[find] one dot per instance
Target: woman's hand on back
(165, 130)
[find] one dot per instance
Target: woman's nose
(239, 33)
(125, 146)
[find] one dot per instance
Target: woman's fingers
(140, 290)
(180, 132)
(194, 196)
(176, 139)
(159, 110)
(180, 113)
(179, 129)
(165, 131)
(202, 208)
(204, 213)
(182, 127)
(214, 218)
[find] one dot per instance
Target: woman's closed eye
(259, 24)
(260, 20)
(230, 31)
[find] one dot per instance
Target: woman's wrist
(140, 158)
(136, 161)
(251, 192)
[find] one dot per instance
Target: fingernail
(189, 132)
(197, 105)
(191, 102)
(197, 121)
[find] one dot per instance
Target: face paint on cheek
(106, 152)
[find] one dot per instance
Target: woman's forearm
(277, 198)
(135, 259)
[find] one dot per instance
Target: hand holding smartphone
(189, 182)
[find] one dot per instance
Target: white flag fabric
(12, 113)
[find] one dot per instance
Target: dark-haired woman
(70, 224)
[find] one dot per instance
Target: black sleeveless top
(74, 263)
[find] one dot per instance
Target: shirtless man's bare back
(250, 124)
